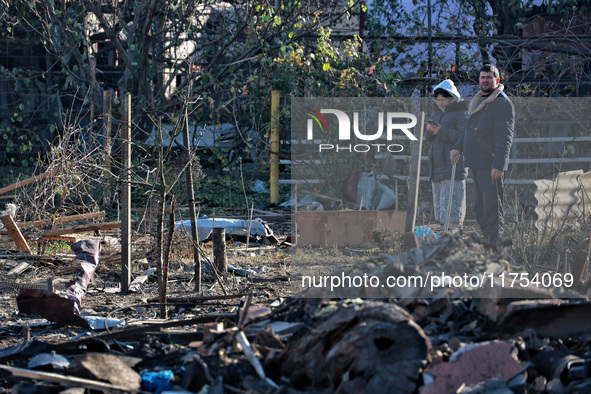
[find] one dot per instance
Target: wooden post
(219, 249)
(274, 181)
(191, 201)
(160, 250)
(415, 173)
(163, 282)
(107, 124)
(125, 206)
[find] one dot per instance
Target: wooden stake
(274, 182)
(107, 122)
(160, 226)
(125, 206)
(248, 230)
(219, 249)
(164, 275)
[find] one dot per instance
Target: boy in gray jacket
(446, 127)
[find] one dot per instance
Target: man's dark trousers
(488, 204)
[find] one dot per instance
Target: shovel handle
(451, 194)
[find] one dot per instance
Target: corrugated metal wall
(563, 202)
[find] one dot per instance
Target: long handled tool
(451, 195)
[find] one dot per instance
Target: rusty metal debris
(58, 309)
(49, 305)
(87, 252)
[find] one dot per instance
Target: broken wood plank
(15, 234)
(139, 280)
(68, 380)
(134, 332)
(58, 220)
(19, 269)
(121, 334)
(82, 229)
(25, 182)
(25, 256)
(254, 361)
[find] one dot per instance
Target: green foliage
(327, 70)
(55, 247)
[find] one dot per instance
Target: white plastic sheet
(233, 227)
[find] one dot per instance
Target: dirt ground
(272, 267)
(104, 298)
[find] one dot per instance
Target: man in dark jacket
(486, 146)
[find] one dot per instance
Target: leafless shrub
(551, 248)
(74, 160)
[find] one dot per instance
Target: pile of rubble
(451, 266)
(437, 346)
(312, 345)
(403, 339)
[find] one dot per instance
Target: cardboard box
(345, 228)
